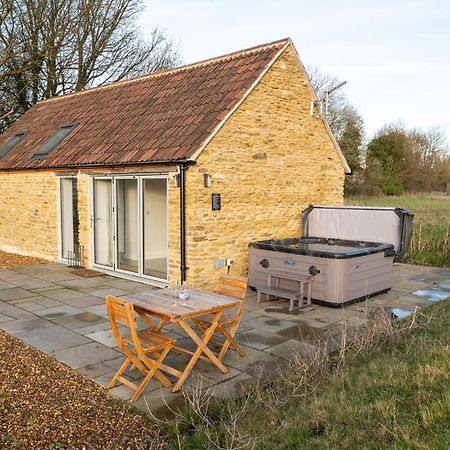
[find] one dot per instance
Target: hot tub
(349, 250)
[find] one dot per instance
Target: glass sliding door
(69, 217)
(103, 222)
(128, 239)
(155, 227)
(130, 225)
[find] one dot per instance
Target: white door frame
(140, 275)
(61, 256)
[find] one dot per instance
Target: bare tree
(345, 122)
(53, 47)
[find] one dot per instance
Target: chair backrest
(233, 286)
(122, 312)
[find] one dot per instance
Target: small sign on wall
(215, 202)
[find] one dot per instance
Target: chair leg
(202, 330)
(153, 372)
(291, 304)
(119, 373)
(230, 341)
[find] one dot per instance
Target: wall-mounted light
(207, 180)
(176, 180)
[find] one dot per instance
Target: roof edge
(165, 72)
(168, 162)
(238, 104)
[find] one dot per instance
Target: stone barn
(165, 176)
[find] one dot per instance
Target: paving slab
(105, 337)
(82, 320)
(34, 283)
(445, 285)
(251, 363)
(14, 311)
(83, 300)
(103, 292)
(47, 302)
(5, 285)
(161, 403)
(62, 294)
(307, 333)
(56, 276)
(58, 311)
(5, 318)
(259, 339)
(80, 283)
(433, 294)
(231, 388)
(24, 325)
(15, 294)
(51, 339)
(100, 310)
(94, 371)
(87, 354)
(29, 306)
(92, 328)
(269, 324)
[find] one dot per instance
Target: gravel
(11, 260)
(45, 404)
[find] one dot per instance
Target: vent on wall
(11, 143)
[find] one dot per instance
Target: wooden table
(160, 305)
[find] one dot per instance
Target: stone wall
(29, 213)
(269, 161)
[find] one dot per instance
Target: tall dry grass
(225, 425)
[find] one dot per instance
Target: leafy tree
(407, 160)
(53, 47)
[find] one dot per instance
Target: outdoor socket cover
(218, 263)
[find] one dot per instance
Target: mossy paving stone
(45, 404)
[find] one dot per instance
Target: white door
(130, 225)
(155, 227)
(69, 217)
(103, 222)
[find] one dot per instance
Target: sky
(395, 55)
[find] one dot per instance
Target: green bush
(391, 185)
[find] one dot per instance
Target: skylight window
(11, 144)
(54, 141)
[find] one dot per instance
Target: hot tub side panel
(287, 262)
(357, 278)
(369, 275)
(340, 281)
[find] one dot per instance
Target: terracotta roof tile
(159, 117)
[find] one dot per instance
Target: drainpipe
(183, 267)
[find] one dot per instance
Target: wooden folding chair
(232, 286)
(137, 346)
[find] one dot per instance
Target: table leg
(202, 348)
(150, 322)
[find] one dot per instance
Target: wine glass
(175, 290)
(185, 293)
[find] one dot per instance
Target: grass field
(393, 396)
(431, 238)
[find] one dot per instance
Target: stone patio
(53, 309)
